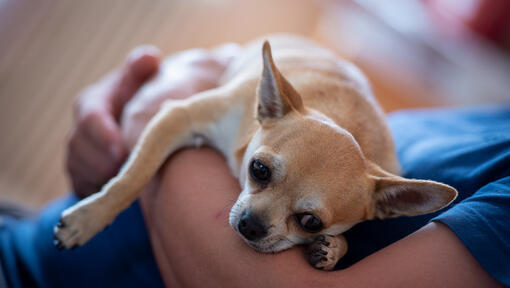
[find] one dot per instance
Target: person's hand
(99, 145)
(95, 148)
(180, 76)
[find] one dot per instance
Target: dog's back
(326, 83)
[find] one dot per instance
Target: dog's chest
(224, 135)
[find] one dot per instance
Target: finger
(141, 64)
(89, 167)
(81, 187)
(84, 152)
(143, 61)
(104, 133)
(101, 164)
(83, 180)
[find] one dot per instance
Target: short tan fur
(311, 120)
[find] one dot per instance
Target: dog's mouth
(270, 244)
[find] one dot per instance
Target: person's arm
(187, 218)
(98, 143)
(431, 257)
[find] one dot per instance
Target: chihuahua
(306, 139)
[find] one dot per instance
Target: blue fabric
(119, 256)
(468, 149)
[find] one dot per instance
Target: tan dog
(308, 143)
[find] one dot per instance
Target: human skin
(194, 246)
(186, 211)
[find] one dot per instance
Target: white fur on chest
(222, 135)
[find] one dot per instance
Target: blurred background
(416, 53)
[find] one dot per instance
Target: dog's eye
(309, 222)
(259, 172)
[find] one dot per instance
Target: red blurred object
(487, 18)
(492, 20)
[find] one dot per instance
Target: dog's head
(304, 175)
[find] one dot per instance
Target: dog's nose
(251, 227)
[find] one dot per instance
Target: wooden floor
(50, 49)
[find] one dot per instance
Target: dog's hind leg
(171, 129)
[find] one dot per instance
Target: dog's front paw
(326, 250)
(77, 225)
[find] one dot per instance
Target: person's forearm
(194, 245)
(431, 257)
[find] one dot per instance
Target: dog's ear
(396, 196)
(276, 96)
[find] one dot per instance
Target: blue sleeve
(482, 223)
(119, 256)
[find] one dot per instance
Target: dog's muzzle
(251, 227)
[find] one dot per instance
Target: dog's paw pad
(316, 257)
(325, 251)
